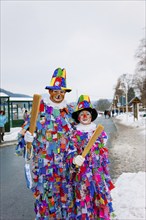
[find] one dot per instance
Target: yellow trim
(64, 73)
(52, 81)
(63, 88)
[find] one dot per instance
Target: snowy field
(129, 194)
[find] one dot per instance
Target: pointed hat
(58, 81)
(84, 104)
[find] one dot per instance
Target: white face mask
(85, 117)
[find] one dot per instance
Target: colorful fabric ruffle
(49, 167)
(62, 191)
(91, 182)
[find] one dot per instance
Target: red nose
(84, 116)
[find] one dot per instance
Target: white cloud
(95, 41)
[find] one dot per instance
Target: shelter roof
(2, 94)
(135, 100)
(21, 99)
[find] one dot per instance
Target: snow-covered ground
(12, 135)
(129, 148)
(129, 194)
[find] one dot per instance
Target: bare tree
(124, 83)
(139, 80)
(118, 91)
(143, 94)
(103, 104)
(141, 57)
(134, 83)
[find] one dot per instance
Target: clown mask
(85, 117)
(57, 96)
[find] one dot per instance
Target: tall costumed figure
(50, 143)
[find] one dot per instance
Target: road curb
(8, 143)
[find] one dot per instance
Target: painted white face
(57, 96)
(85, 117)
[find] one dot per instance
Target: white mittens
(78, 160)
(28, 137)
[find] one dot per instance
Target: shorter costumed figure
(91, 179)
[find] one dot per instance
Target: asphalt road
(111, 131)
(16, 201)
(109, 127)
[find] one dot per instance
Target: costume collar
(48, 102)
(86, 128)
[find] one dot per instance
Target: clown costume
(90, 179)
(51, 143)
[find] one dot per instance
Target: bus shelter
(17, 107)
(14, 108)
(5, 106)
(135, 103)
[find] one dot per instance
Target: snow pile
(129, 196)
(12, 135)
(130, 121)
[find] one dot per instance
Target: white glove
(78, 160)
(28, 137)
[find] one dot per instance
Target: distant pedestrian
(107, 113)
(113, 113)
(3, 120)
(25, 115)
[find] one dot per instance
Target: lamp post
(126, 95)
(115, 104)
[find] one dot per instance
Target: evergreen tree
(131, 94)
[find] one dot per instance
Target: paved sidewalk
(8, 143)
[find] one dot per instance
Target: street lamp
(126, 95)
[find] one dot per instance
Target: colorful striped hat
(84, 103)
(58, 81)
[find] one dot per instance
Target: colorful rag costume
(50, 152)
(92, 183)
(50, 146)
